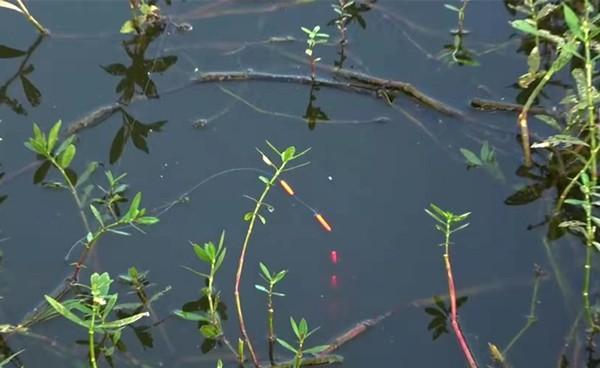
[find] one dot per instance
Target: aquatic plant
(302, 333)
(285, 157)
(211, 327)
(457, 51)
(20, 7)
(60, 157)
(144, 14)
(579, 137)
(272, 278)
(94, 312)
(449, 223)
(313, 38)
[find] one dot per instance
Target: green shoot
(272, 279)
(93, 313)
(313, 38)
(284, 158)
(302, 333)
(214, 256)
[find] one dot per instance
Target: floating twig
(353, 82)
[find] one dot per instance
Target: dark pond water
(372, 180)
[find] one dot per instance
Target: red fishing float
(333, 256)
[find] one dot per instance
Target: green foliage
(93, 312)
(486, 159)
(272, 279)
(211, 327)
(144, 15)
(302, 332)
(314, 38)
(440, 313)
(448, 222)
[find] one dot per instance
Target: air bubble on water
(271, 209)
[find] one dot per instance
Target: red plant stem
(454, 315)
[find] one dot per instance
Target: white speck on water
(196, 70)
(330, 178)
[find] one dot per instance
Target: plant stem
(590, 228)
(74, 193)
(240, 267)
(91, 334)
(453, 309)
(531, 318)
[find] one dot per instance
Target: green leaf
(133, 208)
(60, 309)
(524, 26)
(127, 27)
(265, 270)
(201, 253)
(572, 22)
(316, 350)
(147, 220)
(248, 216)
(53, 135)
(472, 159)
(288, 154)
(97, 215)
(294, 327)
(264, 179)
(191, 316)
(261, 288)
(210, 331)
(64, 160)
(123, 321)
(559, 139)
(286, 345)
(452, 7)
(261, 218)
(220, 258)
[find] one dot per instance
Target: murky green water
(371, 180)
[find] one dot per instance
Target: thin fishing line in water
(376, 120)
(184, 197)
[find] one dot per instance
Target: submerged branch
(352, 81)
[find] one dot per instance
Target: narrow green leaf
(572, 22)
(64, 160)
(316, 350)
(123, 321)
(60, 309)
(53, 135)
(147, 220)
(286, 345)
(265, 270)
(472, 159)
(261, 288)
(97, 215)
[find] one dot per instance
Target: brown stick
(491, 105)
(353, 82)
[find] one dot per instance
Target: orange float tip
(288, 189)
(323, 222)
